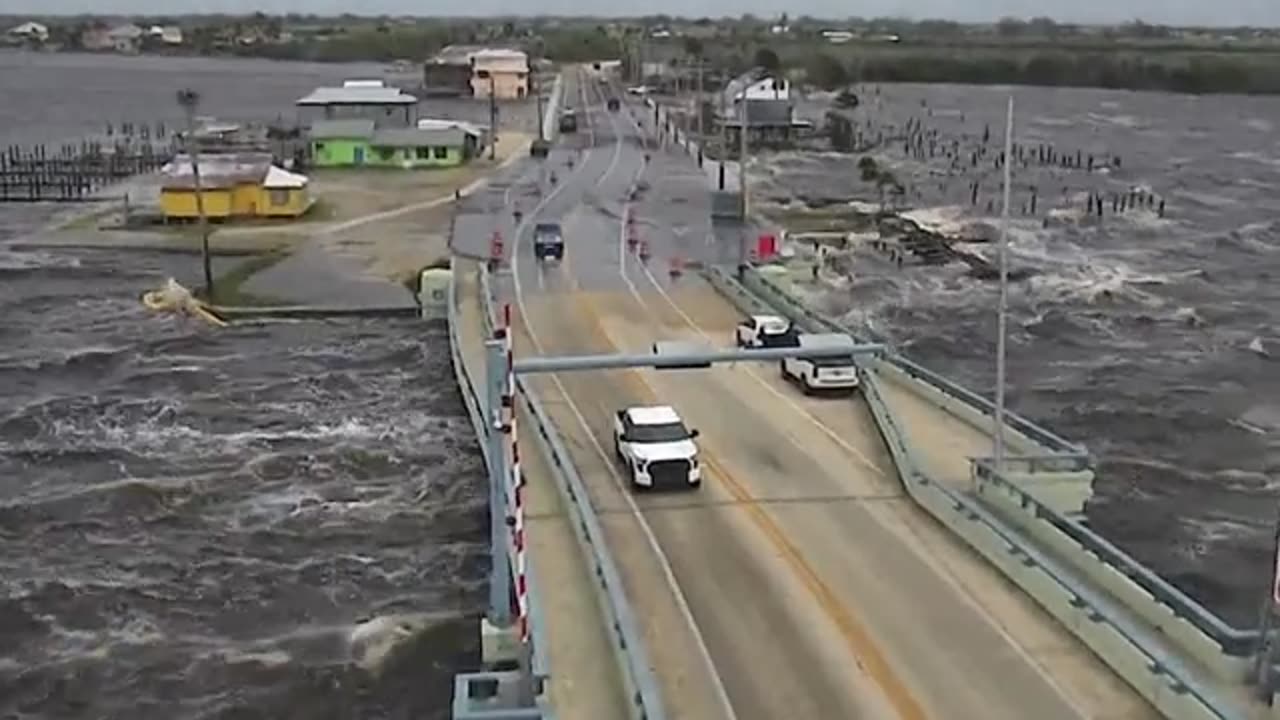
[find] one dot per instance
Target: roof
(216, 171)
(456, 54)
(735, 88)
(29, 28)
(653, 415)
(463, 54)
(129, 32)
(341, 129)
(419, 137)
(769, 319)
(438, 124)
(359, 95)
(281, 179)
(826, 340)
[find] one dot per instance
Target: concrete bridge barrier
(1089, 585)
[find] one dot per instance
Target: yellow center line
(855, 634)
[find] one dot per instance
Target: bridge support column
(498, 640)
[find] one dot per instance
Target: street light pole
(724, 131)
(1003, 308)
(190, 100)
(742, 155)
(493, 118)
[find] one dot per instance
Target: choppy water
(1156, 342)
(283, 520)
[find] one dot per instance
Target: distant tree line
(1176, 72)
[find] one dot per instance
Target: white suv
(759, 331)
(822, 373)
(656, 447)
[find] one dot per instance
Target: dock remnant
(73, 172)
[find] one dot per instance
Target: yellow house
(232, 186)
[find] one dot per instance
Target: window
(442, 153)
(424, 153)
(386, 153)
(319, 147)
(482, 74)
(667, 432)
(279, 198)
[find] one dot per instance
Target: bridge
(844, 558)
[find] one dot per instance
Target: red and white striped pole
(515, 486)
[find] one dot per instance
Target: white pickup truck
(761, 331)
(817, 374)
(656, 447)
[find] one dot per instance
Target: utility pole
(724, 131)
(537, 94)
(190, 100)
(702, 121)
(1003, 308)
(742, 155)
(493, 118)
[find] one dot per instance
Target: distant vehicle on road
(614, 104)
(656, 446)
(548, 242)
(817, 374)
(765, 331)
(569, 121)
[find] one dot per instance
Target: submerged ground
(1154, 340)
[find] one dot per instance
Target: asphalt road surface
(798, 581)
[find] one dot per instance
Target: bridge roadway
(799, 581)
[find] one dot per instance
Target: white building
(29, 31)
(168, 34)
(755, 87)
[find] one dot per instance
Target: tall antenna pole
(493, 117)
(724, 132)
(537, 94)
(1004, 290)
(702, 121)
(190, 100)
(742, 154)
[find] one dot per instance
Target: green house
(358, 143)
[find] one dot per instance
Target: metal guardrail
(625, 635)
(541, 666)
(1045, 463)
(1233, 641)
(1178, 679)
(916, 371)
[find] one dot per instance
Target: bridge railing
(1130, 650)
(472, 684)
(624, 630)
(1233, 641)
(780, 298)
(956, 511)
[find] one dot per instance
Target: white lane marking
(650, 538)
(945, 573)
(835, 437)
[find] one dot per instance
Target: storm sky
(1173, 12)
